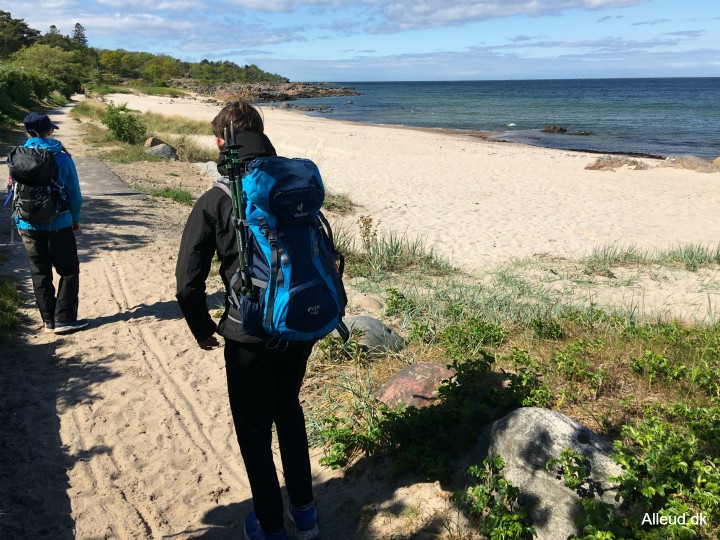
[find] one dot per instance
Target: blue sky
(372, 40)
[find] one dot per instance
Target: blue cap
(38, 122)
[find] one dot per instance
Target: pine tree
(78, 36)
(14, 34)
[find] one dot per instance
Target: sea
(647, 117)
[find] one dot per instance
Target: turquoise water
(643, 116)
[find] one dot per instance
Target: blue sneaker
(305, 521)
(253, 530)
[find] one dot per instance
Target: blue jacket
(67, 179)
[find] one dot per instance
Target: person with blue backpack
(283, 292)
(46, 210)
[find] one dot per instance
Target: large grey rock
(527, 439)
(209, 168)
(693, 163)
(164, 150)
(376, 337)
(414, 385)
(152, 141)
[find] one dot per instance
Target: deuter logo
(313, 310)
(300, 212)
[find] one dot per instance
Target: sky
(407, 40)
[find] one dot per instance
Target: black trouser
(58, 249)
(264, 387)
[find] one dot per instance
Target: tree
(160, 68)
(14, 34)
(54, 38)
(78, 36)
(64, 66)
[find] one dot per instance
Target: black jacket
(209, 230)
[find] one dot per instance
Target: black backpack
(37, 196)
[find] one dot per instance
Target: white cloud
(408, 14)
(150, 4)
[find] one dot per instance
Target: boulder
(692, 163)
(209, 168)
(163, 150)
(414, 385)
(153, 141)
(610, 163)
(367, 303)
(716, 161)
(376, 337)
(527, 439)
(554, 129)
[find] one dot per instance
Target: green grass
(192, 151)
(103, 89)
(516, 339)
(690, 256)
(175, 124)
(89, 109)
(160, 91)
(130, 153)
(377, 255)
(176, 130)
(174, 194)
(10, 301)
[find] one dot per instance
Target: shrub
(124, 125)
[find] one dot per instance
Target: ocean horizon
(638, 116)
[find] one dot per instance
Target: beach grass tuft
(191, 150)
(175, 124)
(338, 203)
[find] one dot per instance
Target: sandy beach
(480, 202)
(123, 431)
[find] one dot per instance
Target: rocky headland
(265, 92)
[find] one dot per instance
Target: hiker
(47, 218)
(263, 382)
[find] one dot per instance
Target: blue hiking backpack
(289, 284)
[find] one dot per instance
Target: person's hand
(75, 226)
(209, 344)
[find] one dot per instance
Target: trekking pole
(233, 164)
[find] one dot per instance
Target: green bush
(124, 125)
(21, 87)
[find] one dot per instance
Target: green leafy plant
(493, 502)
(466, 338)
(396, 303)
(654, 366)
(526, 380)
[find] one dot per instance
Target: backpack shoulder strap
(223, 185)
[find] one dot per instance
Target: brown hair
(242, 115)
